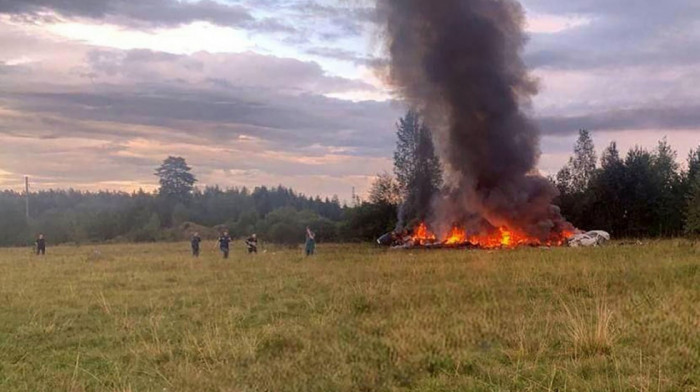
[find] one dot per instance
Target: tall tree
(669, 184)
(574, 179)
(404, 156)
(641, 193)
(693, 164)
(607, 188)
(564, 180)
(583, 164)
(176, 181)
(692, 214)
(417, 167)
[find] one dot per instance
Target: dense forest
(643, 194)
(277, 214)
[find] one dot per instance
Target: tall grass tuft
(592, 335)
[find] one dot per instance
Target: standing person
(252, 244)
(41, 245)
(224, 241)
(310, 242)
(194, 241)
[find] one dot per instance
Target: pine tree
(583, 164)
(671, 197)
(692, 215)
(578, 172)
(417, 167)
(640, 194)
(693, 164)
(404, 156)
(176, 181)
(607, 188)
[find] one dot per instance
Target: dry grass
(593, 335)
(354, 318)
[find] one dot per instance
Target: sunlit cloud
(291, 93)
(552, 23)
(187, 39)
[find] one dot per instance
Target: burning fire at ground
(500, 238)
(474, 100)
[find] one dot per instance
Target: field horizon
(149, 317)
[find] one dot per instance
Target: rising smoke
(459, 63)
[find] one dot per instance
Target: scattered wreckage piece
(588, 239)
(403, 240)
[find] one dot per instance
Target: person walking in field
(252, 244)
(40, 245)
(224, 241)
(194, 241)
(310, 246)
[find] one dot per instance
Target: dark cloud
(618, 33)
(227, 70)
(655, 118)
(147, 13)
(158, 12)
(60, 90)
(239, 118)
(217, 97)
(320, 20)
(283, 122)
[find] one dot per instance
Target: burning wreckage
(502, 238)
(459, 64)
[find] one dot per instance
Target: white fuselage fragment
(591, 238)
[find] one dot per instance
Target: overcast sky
(95, 93)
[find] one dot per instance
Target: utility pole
(26, 195)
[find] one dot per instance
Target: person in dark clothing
(41, 245)
(194, 241)
(224, 241)
(252, 244)
(310, 245)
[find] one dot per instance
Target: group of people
(224, 243)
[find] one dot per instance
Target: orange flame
(422, 235)
(501, 238)
(456, 236)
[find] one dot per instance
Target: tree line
(276, 214)
(68, 216)
(643, 194)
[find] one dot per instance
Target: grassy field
(353, 318)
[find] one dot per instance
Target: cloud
(363, 128)
(96, 117)
(151, 12)
(617, 33)
(109, 117)
(341, 54)
(667, 118)
(221, 96)
(236, 70)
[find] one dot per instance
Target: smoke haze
(458, 62)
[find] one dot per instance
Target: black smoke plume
(459, 63)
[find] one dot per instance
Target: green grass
(353, 318)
